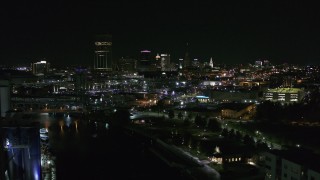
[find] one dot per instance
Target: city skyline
(230, 32)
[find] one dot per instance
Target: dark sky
(228, 31)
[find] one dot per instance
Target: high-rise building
(195, 63)
(144, 61)
(158, 62)
(41, 67)
(127, 64)
(181, 64)
(165, 62)
(103, 53)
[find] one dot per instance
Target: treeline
(243, 138)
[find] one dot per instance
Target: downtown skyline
(231, 33)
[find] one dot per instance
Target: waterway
(87, 150)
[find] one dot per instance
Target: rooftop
(304, 157)
(285, 90)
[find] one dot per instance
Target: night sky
(229, 31)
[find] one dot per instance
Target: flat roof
(285, 90)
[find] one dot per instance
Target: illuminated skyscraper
(41, 67)
(158, 62)
(165, 62)
(181, 63)
(103, 53)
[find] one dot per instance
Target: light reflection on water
(71, 131)
(68, 121)
(59, 124)
(76, 123)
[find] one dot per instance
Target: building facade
(103, 53)
(165, 62)
(285, 95)
(127, 64)
(41, 67)
(4, 97)
(144, 63)
(291, 164)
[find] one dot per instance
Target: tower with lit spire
(211, 63)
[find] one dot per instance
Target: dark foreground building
(20, 152)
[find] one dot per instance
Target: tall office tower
(81, 82)
(187, 60)
(144, 61)
(4, 97)
(127, 64)
(195, 63)
(158, 62)
(103, 53)
(165, 62)
(181, 64)
(41, 67)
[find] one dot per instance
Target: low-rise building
(298, 164)
(233, 95)
(285, 95)
(237, 110)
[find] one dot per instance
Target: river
(84, 150)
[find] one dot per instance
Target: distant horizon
(231, 33)
(59, 65)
